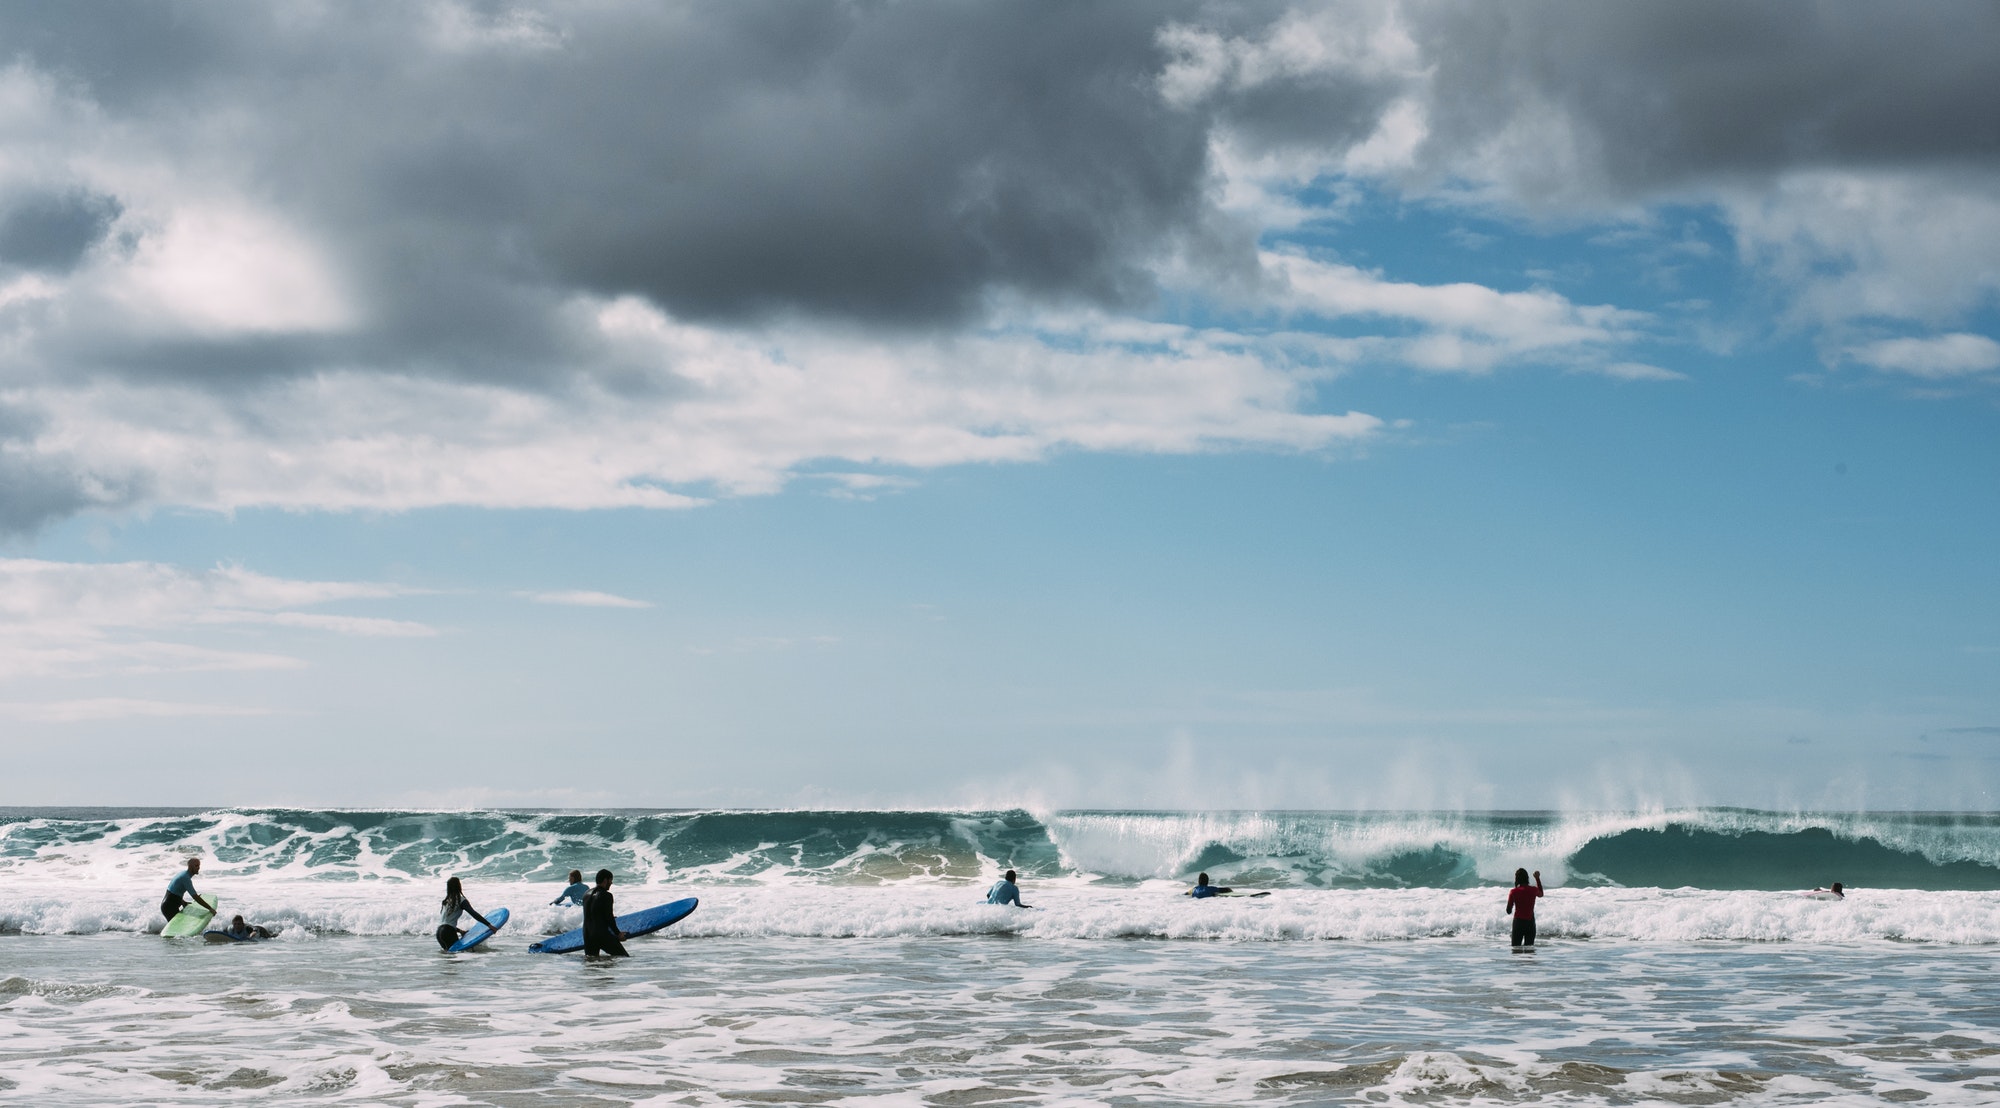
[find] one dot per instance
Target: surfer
(1203, 890)
(1834, 893)
(1521, 905)
(577, 890)
(600, 921)
(1004, 891)
(181, 888)
(242, 930)
(450, 909)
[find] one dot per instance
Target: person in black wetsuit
(600, 921)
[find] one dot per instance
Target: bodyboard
(190, 920)
(634, 925)
(480, 932)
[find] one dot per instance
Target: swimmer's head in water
(1201, 879)
(1520, 877)
(237, 923)
(603, 878)
(1836, 889)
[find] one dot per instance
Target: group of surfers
(602, 936)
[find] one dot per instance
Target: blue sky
(1305, 444)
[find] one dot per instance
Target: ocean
(846, 957)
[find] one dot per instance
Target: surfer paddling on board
(576, 892)
(1004, 891)
(450, 909)
(241, 930)
(1521, 905)
(1834, 893)
(1203, 890)
(600, 921)
(181, 888)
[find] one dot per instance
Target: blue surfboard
(480, 932)
(634, 925)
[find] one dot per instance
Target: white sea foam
(1071, 909)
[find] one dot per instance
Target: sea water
(845, 957)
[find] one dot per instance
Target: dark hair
(575, 875)
(1520, 877)
(1010, 875)
(453, 892)
(604, 877)
(1836, 886)
(1201, 880)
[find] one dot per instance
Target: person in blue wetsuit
(181, 888)
(1203, 890)
(576, 892)
(1004, 891)
(239, 929)
(600, 921)
(450, 909)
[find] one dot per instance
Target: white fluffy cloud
(1938, 357)
(69, 619)
(585, 598)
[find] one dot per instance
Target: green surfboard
(191, 920)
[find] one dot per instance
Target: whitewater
(847, 957)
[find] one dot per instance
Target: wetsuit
(574, 894)
(1521, 902)
(178, 890)
(600, 925)
(448, 931)
(1005, 892)
(1203, 892)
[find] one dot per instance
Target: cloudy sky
(750, 402)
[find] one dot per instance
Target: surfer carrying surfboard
(450, 909)
(1521, 905)
(600, 921)
(181, 888)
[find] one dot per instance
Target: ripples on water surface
(843, 958)
(124, 1019)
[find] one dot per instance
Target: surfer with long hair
(450, 909)
(1521, 905)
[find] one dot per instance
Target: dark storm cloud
(49, 231)
(873, 161)
(1663, 95)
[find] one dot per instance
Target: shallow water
(122, 1018)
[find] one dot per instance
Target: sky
(1159, 404)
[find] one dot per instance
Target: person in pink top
(1521, 905)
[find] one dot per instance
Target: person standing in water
(1521, 905)
(1004, 891)
(600, 921)
(577, 890)
(181, 888)
(450, 909)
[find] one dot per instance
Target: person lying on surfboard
(1203, 890)
(577, 890)
(1828, 894)
(450, 909)
(1004, 891)
(243, 930)
(181, 888)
